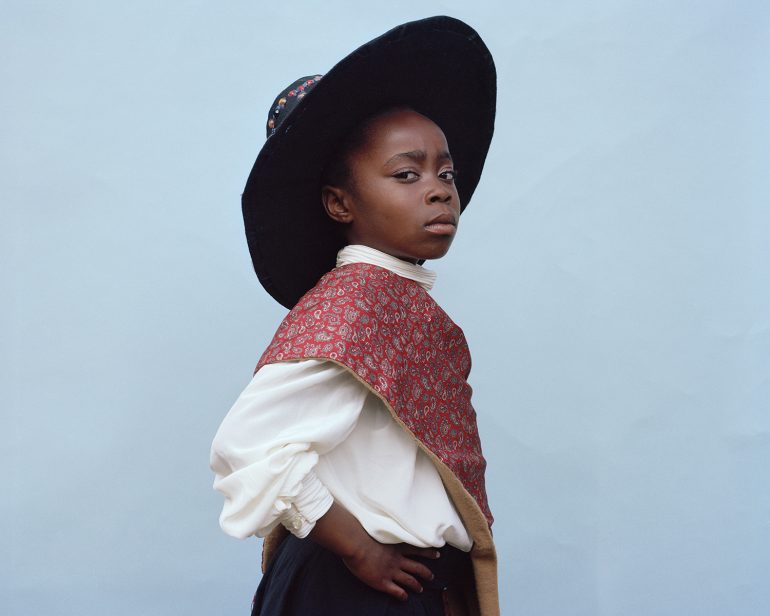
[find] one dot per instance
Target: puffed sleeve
(265, 450)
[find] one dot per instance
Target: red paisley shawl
(396, 339)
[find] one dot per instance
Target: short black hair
(337, 170)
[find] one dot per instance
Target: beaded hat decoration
(287, 100)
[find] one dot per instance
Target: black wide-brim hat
(438, 66)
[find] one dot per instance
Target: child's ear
(335, 202)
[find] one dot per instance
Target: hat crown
(288, 100)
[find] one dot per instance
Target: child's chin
(435, 253)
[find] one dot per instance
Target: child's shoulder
(364, 285)
(366, 295)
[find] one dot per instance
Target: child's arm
(263, 457)
(266, 448)
(384, 567)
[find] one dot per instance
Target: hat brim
(438, 66)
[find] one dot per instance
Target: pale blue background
(611, 275)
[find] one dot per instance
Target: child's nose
(439, 192)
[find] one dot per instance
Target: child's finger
(407, 581)
(417, 568)
(394, 590)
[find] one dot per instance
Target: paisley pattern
(395, 337)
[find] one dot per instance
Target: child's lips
(441, 228)
(443, 224)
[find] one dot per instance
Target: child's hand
(389, 568)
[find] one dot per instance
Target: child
(354, 450)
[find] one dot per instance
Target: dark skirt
(305, 579)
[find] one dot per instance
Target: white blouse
(304, 433)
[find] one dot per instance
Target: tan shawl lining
(483, 555)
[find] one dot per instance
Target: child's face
(401, 197)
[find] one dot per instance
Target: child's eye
(449, 174)
(404, 175)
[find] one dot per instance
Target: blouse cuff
(313, 500)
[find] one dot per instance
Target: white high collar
(358, 253)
